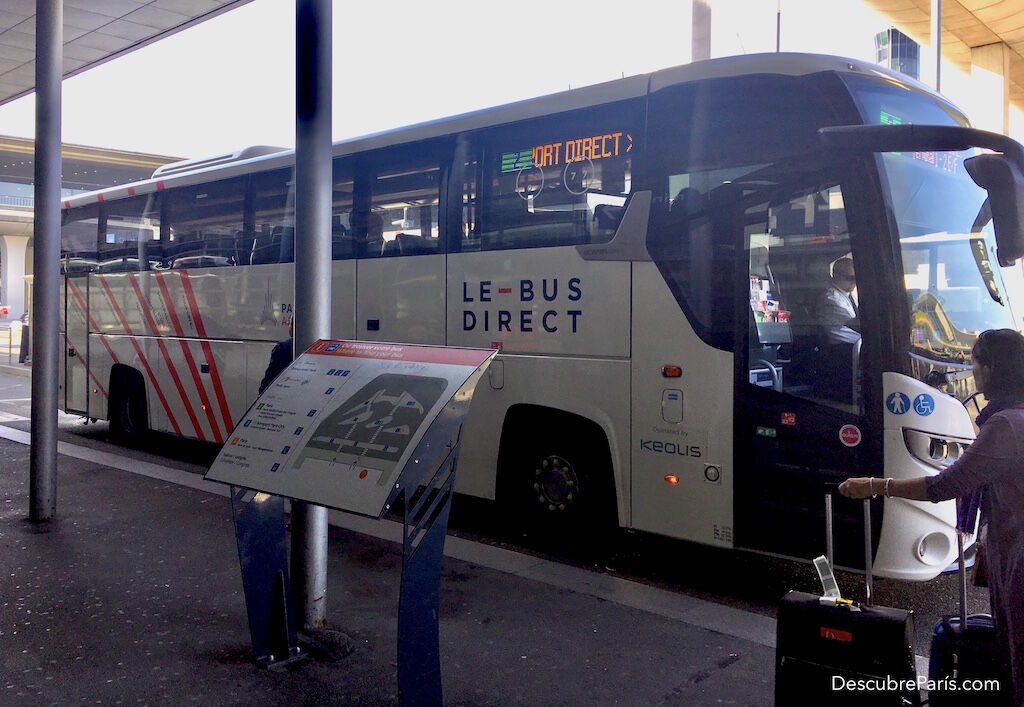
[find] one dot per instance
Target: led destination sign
(553, 154)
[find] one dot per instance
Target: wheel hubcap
(555, 484)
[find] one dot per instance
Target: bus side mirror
(1003, 181)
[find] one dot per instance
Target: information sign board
(337, 427)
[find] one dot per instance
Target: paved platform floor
(133, 595)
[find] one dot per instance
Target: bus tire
(555, 477)
(126, 407)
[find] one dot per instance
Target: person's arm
(916, 488)
(991, 455)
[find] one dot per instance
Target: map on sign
(376, 423)
(337, 426)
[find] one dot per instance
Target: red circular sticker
(850, 435)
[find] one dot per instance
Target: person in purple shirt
(993, 465)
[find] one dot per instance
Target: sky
(229, 82)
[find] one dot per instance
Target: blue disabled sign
(897, 403)
(924, 404)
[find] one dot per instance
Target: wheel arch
(526, 423)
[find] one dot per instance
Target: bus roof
(261, 158)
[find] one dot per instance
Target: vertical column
(990, 80)
(313, 192)
(46, 262)
(936, 38)
(700, 42)
(12, 260)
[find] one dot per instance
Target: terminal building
(83, 169)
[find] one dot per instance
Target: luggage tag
(832, 595)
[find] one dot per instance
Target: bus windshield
(945, 231)
(948, 248)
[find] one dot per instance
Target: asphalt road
(740, 579)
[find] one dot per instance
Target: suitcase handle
(868, 583)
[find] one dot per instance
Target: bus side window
(343, 232)
(404, 200)
(557, 181)
(130, 235)
(202, 223)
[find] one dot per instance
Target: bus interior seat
(374, 234)
(342, 247)
(265, 249)
(608, 217)
(284, 237)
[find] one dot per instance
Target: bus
(652, 256)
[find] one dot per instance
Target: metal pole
(313, 192)
(936, 31)
(46, 262)
(778, 27)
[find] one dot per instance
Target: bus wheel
(557, 486)
(126, 406)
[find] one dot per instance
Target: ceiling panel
(95, 31)
(965, 24)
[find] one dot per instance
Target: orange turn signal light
(671, 371)
(672, 479)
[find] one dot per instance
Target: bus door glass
(802, 367)
(78, 258)
(749, 231)
(401, 270)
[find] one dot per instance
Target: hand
(860, 487)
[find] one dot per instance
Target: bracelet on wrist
(887, 480)
(871, 486)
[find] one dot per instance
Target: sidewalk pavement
(134, 594)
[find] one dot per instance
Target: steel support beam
(46, 262)
(313, 192)
(936, 37)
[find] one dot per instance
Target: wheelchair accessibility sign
(924, 405)
(898, 403)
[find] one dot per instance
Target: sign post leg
(262, 555)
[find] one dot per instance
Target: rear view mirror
(1003, 181)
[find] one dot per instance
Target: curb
(16, 370)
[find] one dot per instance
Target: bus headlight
(937, 452)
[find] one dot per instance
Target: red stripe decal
(92, 322)
(176, 323)
(142, 356)
(131, 191)
(99, 197)
(87, 369)
(67, 204)
(144, 306)
(159, 186)
(214, 374)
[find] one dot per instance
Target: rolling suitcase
(965, 648)
(829, 651)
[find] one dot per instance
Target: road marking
(11, 417)
(16, 400)
(720, 618)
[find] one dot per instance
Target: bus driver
(837, 310)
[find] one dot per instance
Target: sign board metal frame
(374, 425)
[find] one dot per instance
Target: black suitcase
(960, 654)
(844, 654)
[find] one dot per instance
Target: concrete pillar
(700, 42)
(990, 82)
(46, 268)
(12, 274)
